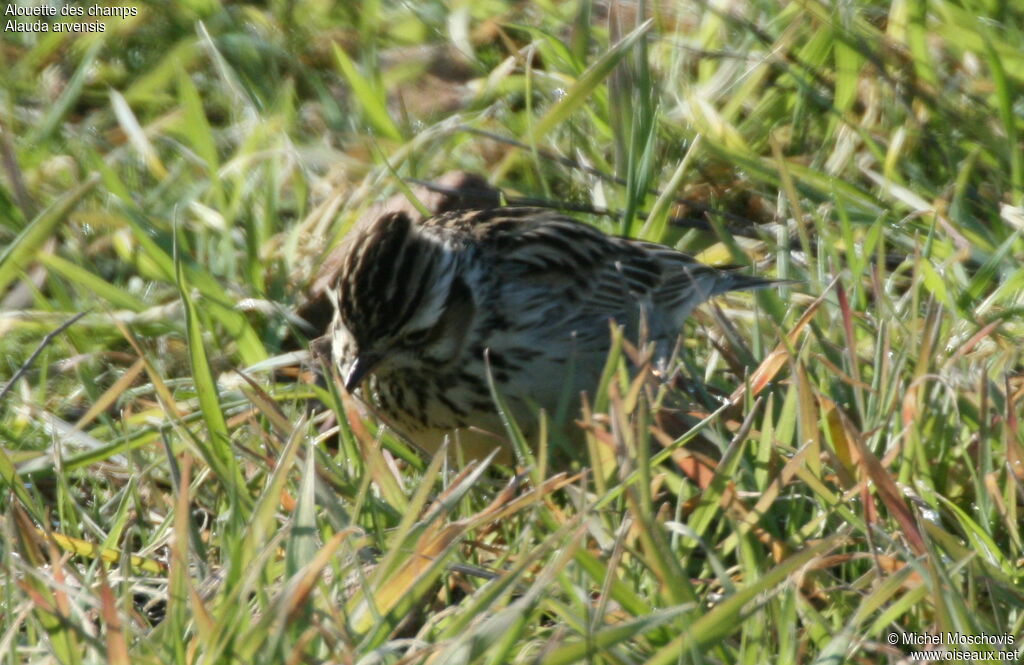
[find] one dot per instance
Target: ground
(177, 175)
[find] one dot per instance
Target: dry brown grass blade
(749, 518)
(117, 646)
(162, 391)
(699, 468)
(112, 393)
(432, 544)
(268, 407)
(600, 445)
(778, 357)
(384, 474)
(887, 490)
(889, 565)
(302, 585)
(60, 586)
(510, 505)
(807, 417)
(969, 345)
(1014, 452)
(437, 538)
(839, 424)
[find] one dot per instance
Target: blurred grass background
(178, 177)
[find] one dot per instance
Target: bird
(429, 312)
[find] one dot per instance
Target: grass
(177, 178)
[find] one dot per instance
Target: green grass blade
(23, 248)
(372, 104)
(582, 89)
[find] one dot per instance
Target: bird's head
(400, 301)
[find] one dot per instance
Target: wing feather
(560, 273)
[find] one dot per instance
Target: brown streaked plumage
(423, 307)
(455, 190)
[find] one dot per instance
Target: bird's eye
(417, 337)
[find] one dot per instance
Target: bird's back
(556, 276)
(548, 286)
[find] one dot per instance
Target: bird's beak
(362, 366)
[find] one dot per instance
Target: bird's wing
(560, 272)
(564, 272)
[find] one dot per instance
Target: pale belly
(456, 406)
